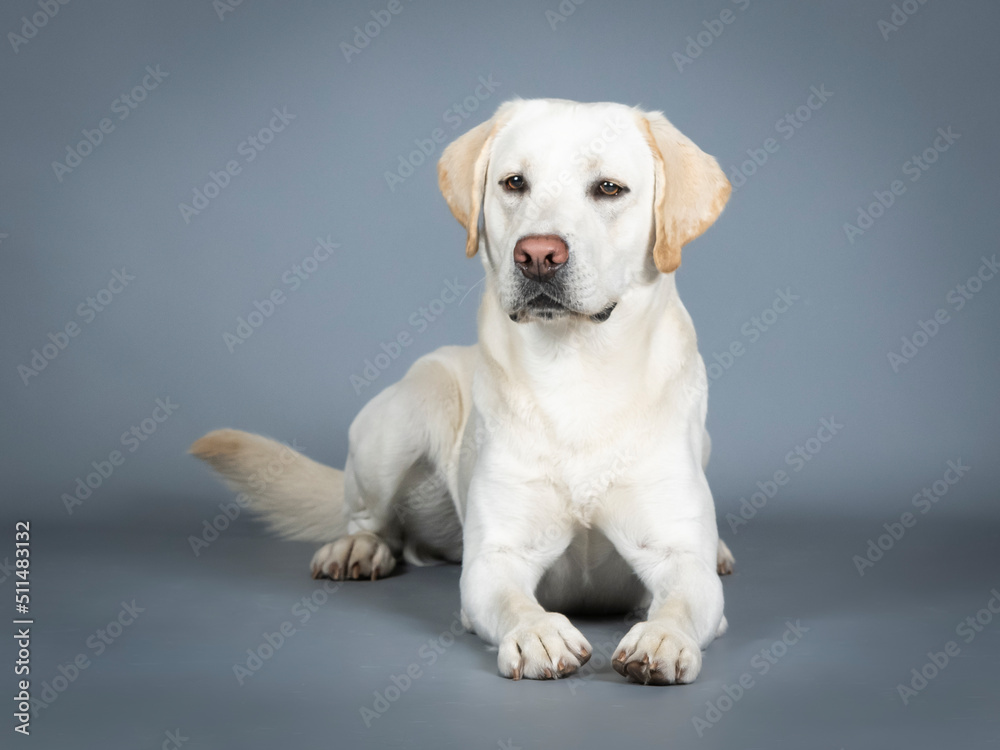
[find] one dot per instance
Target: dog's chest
(590, 479)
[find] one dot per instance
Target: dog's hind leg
(398, 445)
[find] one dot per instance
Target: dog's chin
(544, 308)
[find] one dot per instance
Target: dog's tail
(296, 496)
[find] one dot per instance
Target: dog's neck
(644, 343)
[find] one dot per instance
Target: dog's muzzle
(544, 307)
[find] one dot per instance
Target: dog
(561, 459)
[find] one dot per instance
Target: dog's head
(580, 202)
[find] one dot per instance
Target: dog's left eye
(609, 188)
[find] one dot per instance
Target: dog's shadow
(426, 600)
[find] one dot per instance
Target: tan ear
(462, 176)
(691, 189)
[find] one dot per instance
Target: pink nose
(540, 256)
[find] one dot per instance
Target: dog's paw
(544, 647)
(724, 560)
(354, 556)
(654, 654)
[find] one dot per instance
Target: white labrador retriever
(561, 459)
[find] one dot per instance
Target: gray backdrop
(824, 114)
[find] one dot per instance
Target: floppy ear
(691, 189)
(462, 175)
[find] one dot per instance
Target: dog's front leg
(676, 560)
(513, 534)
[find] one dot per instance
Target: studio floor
(144, 644)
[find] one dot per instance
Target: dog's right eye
(610, 188)
(515, 182)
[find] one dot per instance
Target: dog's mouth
(544, 307)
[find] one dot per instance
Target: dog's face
(567, 210)
(580, 202)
